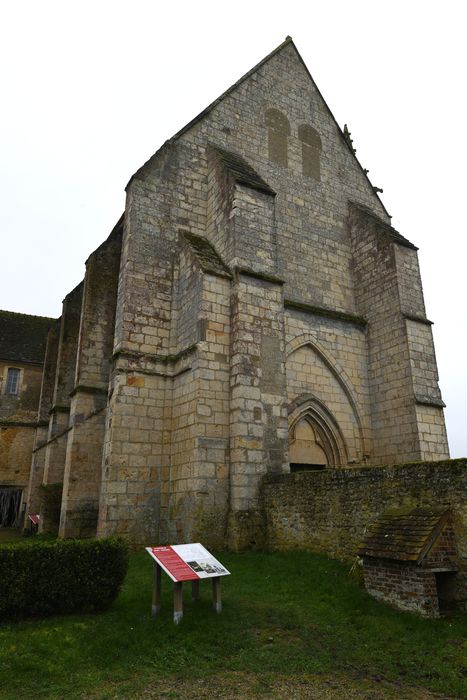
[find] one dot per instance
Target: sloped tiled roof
(404, 537)
(23, 337)
(241, 171)
(390, 230)
(402, 240)
(205, 253)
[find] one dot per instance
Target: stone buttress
(88, 397)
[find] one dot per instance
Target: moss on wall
(329, 511)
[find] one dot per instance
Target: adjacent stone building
(252, 312)
(22, 349)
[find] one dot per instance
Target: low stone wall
(329, 511)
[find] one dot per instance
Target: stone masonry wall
(135, 450)
(85, 439)
(18, 422)
(82, 468)
(258, 414)
(16, 443)
(138, 424)
(400, 358)
(23, 406)
(68, 345)
(37, 465)
(253, 230)
(327, 359)
(197, 490)
(253, 276)
(162, 475)
(330, 511)
(64, 382)
(18, 426)
(49, 455)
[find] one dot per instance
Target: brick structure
(22, 349)
(253, 301)
(410, 560)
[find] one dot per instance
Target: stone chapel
(252, 312)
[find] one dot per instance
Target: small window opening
(12, 381)
(278, 131)
(311, 151)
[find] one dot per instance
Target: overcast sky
(89, 90)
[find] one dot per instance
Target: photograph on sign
(200, 560)
(187, 562)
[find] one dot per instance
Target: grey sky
(91, 89)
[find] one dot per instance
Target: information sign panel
(187, 562)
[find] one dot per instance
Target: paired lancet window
(278, 133)
(311, 151)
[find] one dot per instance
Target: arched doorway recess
(315, 440)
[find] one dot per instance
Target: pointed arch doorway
(315, 440)
(305, 451)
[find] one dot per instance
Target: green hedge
(60, 576)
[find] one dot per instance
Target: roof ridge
(23, 337)
(210, 107)
(117, 228)
(20, 313)
(394, 233)
(407, 536)
(288, 40)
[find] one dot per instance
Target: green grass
(292, 613)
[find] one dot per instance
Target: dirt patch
(244, 686)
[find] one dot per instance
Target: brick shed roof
(23, 337)
(404, 537)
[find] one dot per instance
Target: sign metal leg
(178, 602)
(216, 594)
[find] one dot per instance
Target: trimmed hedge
(51, 577)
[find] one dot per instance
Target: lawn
(286, 616)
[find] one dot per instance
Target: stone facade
(254, 294)
(22, 349)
